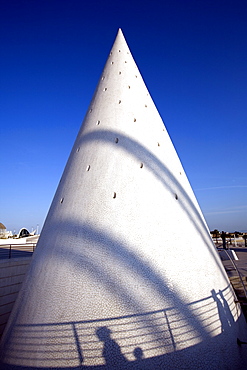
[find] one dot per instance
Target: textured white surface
(125, 248)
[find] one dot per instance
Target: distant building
(2, 230)
(4, 234)
(23, 233)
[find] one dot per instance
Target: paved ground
(241, 263)
(239, 284)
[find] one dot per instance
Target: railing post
(238, 272)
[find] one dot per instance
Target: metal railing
(8, 251)
(237, 270)
(229, 243)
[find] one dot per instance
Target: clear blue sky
(192, 55)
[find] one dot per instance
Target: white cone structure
(125, 273)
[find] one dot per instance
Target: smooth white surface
(124, 246)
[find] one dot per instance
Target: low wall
(12, 272)
(224, 254)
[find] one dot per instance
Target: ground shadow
(224, 311)
(6, 253)
(111, 350)
(79, 334)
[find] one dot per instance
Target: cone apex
(120, 34)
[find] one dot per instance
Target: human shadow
(226, 309)
(139, 357)
(111, 350)
(224, 312)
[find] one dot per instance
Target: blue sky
(192, 55)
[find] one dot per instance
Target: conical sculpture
(125, 274)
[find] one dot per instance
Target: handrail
(11, 248)
(235, 266)
(17, 244)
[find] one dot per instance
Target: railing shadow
(87, 341)
(161, 172)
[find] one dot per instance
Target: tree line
(227, 237)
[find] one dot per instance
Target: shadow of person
(227, 309)
(111, 350)
(138, 353)
(223, 315)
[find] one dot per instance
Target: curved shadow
(82, 260)
(161, 172)
(160, 324)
